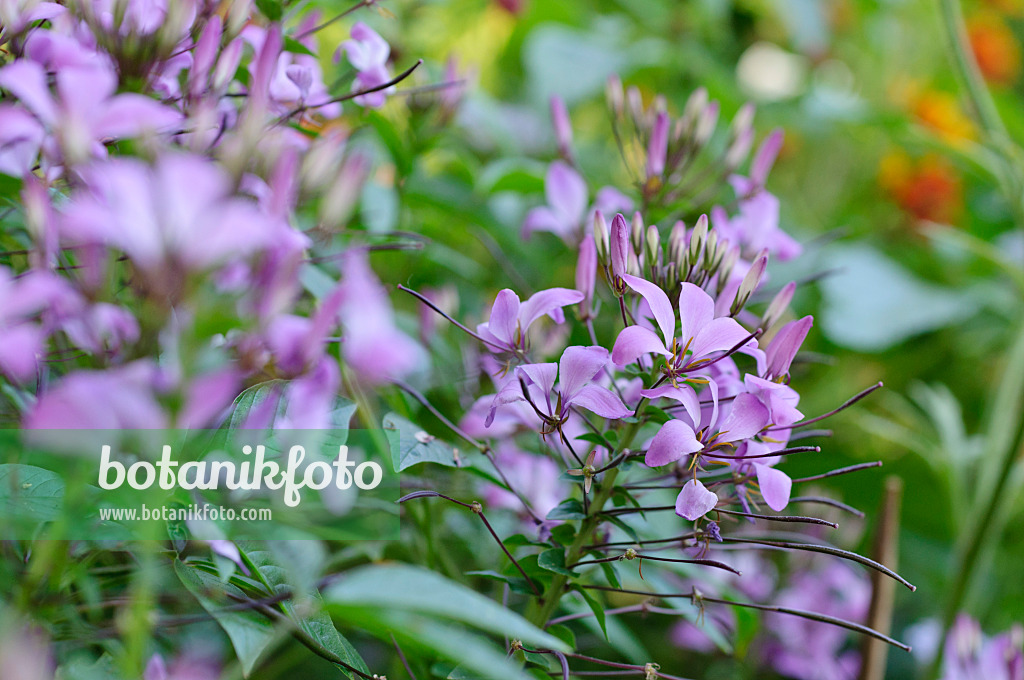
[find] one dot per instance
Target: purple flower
(586, 275)
(782, 349)
(178, 213)
(30, 307)
(566, 214)
(701, 333)
(368, 53)
(804, 649)
(576, 371)
(566, 195)
(970, 655)
(657, 148)
(373, 346)
(506, 330)
(87, 112)
(756, 226)
(111, 399)
(563, 127)
(695, 501)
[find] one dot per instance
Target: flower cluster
(163, 151)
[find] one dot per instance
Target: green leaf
(295, 47)
(597, 608)
(570, 509)
(271, 9)
(554, 560)
(30, 492)
(257, 396)
(416, 446)
(316, 630)
(611, 574)
(250, 633)
(405, 588)
(475, 656)
(563, 633)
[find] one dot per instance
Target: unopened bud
(750, 282)
(563, 127)
(601, 236)
(653, 244)
(694, 108)
(706, 124)
(614, 96)
(637, 233)
(742, 121)
(635, 104)
(698, 237)
(676, 241)
(778, 306)
(619, 250)
(739, 149)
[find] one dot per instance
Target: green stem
(985, 111)
(541, 610)
(1002, 445)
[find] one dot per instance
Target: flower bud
(738, 149)
(676, 241)
(653, 244)
(729, 259)
(657, 148)
(698, 237)
(227, 65)
(706, 124)
(765, 157)
(619, 249)
(614, 96)
(777, 307)
(637, 233)
(586, 274)
(601, 236)
(635, 105)
(563, 127)
(742, 121)
(694, 108)
(751, 281)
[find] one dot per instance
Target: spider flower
(701, 333)
(575, 370)
(510, 319)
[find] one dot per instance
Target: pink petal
(26, 80)
(566, 192)
(577, 367)
(659, 303)
(601, 401)
(695, 501)
(784, 346)
(747, 417)
(548, 302)
(718, 335)
(684, 395)
(127, 115)
(542, 375)
(696, 310)
(765, 156)
(504, 313)
(775, 486)
(634, 342)
(544, 218)
(674, 440)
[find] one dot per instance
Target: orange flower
(995, 48)
(929, 188)
(940, 112)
